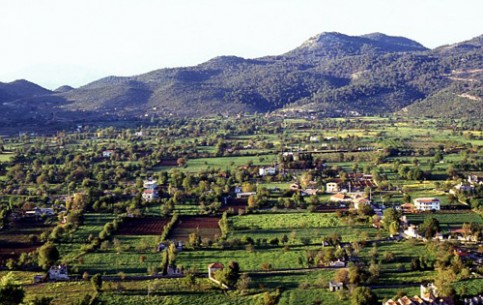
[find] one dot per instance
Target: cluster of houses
(358, 199)
(429, 296)
(355, 182)
(150, 192)
(466, 186)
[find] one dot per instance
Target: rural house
(332, 187)
(58, 273)
(108, 153)
(335, 286)
(267, 171)
(150, 195)
(427, 204)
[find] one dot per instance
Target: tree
(230, 275)
(363, 296)
(429, 227)
(42, 301)
(181, 161)
(48, 255)
(11, 293)
(391, 220)
(342, 275)
(96, 282)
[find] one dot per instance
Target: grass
(196, 165)
(448, 221)
(299, 225)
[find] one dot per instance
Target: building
(407, 207)
(40, 212)
(332, 187)
(212, 268)
(473, 179)
(461, 187)
(429, 296)
(58, 273)
(314, 139)
(150, 184)
(335, 286)
(267, 171)
(340, 197)
(245, 194)
(150, 195)
(412, 231)
(427, 204)
(108, 153)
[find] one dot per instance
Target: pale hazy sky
(56, 42)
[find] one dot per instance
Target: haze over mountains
(331, 73)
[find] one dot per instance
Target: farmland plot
(142, 226)
(206, 227)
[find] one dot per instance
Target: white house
(270, 171)
(108, 153)
(412, 231)
(150, 195)
(314, 139)
(427, 204)
(58, 273)
(332, 187)
(245, 194)
(473, 179)
(335, 286)
(150, 184)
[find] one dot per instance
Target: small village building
(461, 187)
(340, 197)
(310, 192)
(407, 208)
(473, 179)
(245, 194)
(412, 232)
(335, 286)
(337, 264)
(427, 204)
(267, 171)
(150, 195)
(150, 184)
(108, 153)
(359, 201)
(58, 273)
(332, 187)
(212, 268)
(428, 296)
(314, 139)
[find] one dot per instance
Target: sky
(74, 42)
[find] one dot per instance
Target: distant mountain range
(331, 73)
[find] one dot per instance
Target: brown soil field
(142, 226)
(15, 240)
(207, 227)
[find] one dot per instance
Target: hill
(331, 73)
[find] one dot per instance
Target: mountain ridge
(330, 73)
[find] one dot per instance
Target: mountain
(20, 89)
(331, 73)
